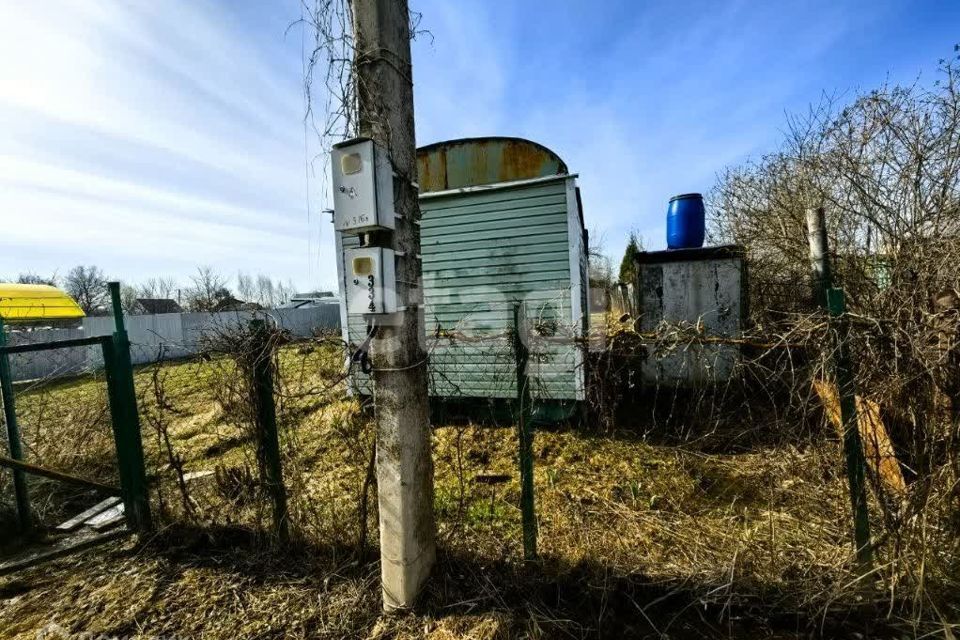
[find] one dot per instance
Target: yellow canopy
(33, 302)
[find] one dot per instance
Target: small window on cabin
(351, 164)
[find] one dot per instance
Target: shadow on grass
(546, 599)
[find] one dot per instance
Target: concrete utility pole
(381, 30)
(819, 255)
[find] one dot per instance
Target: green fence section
(525, 437)
(852, 443)
(124, 418)
(13, 434)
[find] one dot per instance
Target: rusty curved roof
(469, 162)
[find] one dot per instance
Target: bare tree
(263, 290)
(128, 298)
(208, 289)
(246, 288)
(88, 286)
(162, 287)
(283, 291)
(601, 272)
(266, 294)
(33, 278)
(886, 167)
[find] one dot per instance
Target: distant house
(310, 299)
(230, 303)
(153, 306)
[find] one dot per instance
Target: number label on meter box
(371, 283)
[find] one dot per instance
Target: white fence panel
(153, 337)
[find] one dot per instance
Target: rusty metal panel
(478, 161)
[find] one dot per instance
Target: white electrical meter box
(362, 187)
(371, 280)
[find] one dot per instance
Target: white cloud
(149, 136)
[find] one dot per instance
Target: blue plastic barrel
(685, 221)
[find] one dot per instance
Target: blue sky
(151, 137)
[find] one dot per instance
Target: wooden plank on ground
(196, 475)
(877, 448)
(96, 509)
(107, 518)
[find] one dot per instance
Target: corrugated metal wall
(483, 251)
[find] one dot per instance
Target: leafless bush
(728, 391)
(886, 167)
(156, 414)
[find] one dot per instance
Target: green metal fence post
(525, 433)
(22, 495)
(833, 299)
(852, 444)
(268, 445)
(127, 423)
(117, 421)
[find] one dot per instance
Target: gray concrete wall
(153, 337)
(691, 291)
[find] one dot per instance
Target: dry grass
(637, 538)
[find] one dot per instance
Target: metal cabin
(502, 225)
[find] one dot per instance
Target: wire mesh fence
(727, 472)
(65, 425)
(203, 436)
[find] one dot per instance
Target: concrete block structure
(703, 287)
